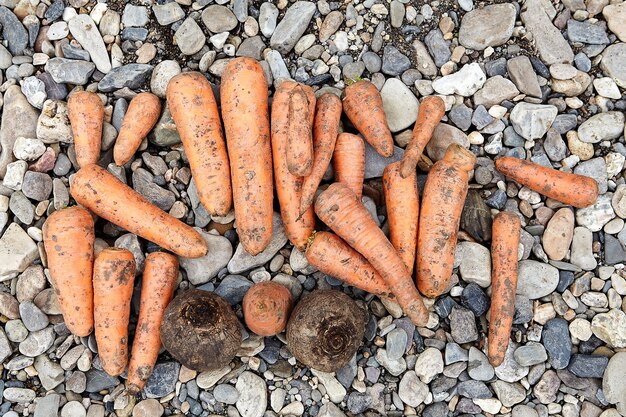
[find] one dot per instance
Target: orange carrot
(143, 113)
(113, 277)
(86, 113)
(288, 186)
(325, 131)
(194, 110)
(576, 190)
(266, 308)
(402, 201)
(68, 237)
(300, 139)
(363, 105)
(349, 162)
(246, 122)
(157, 288)
(334, 257)
(442, 203)
(102, 193)
(340, 209)
(504, 244)
(430, 112)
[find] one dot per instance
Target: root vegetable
(363, 105)
(194, 110)
(143, 113)
(98, 190)
(300, 138)
(157, 288)
(442, 203)
(505, 241)
(113, 277)
(266, 308)
(341, 210)
(86, 113)
(68, 237)
(200, 330)
(246, 122)
(325, 330)
(576, 190)
(349, 162)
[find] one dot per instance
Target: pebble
(532, 121)
(610, 327)
(474, 298)
(243, 261)
(17, 252)
(475, 266)
(588, 366)
(394, 62)
(32, 317)
(85, 31)
(189, 37)
(556, 340)
(252, 401)
(396, 343)
(601, 127)
(73, 409)
(168, 13)
(597, 215)
(465, 82)
(225, 393)
(530, 354)
(163, 380)
(490, 26)
(47, 406)
(613, 385)
(438, 47)
(463, 325)
(19, 395)
(411, 390)
(130, 75)
(148, 408)
(558, 234)
(536, 279)
(292, 26)
(268, 13)
(479, 367)
(203, 269)
(444, 135)
(551, 45)
(400, 105)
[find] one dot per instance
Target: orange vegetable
(86, 113)
(504, 244)
(266, 308)
(349, 162)
(102, 193)
(363, 105)
(342, 211)
(246, 122)
(157, 288)
(68, 237)
(113, 277)
(402, 200)
(576, 190)
(143, 113)
(325, 131)
(442, 203)
(430, 112)
(194, 110)
(300, 139)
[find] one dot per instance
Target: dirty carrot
(298, 227)
(68, 237)
(504, 244)
(442, 203)
(402, 200)
(246, 123)
(340, 209)
(300, 138)
(334, 257)
(349, 162)
(157, 288)
(363, 105)
(113, 277)
(266, 308)
(143, 113)
(98, 190)
(576, 190)
(86, 113)
(325, 131)
(430, 112)
(194, 110)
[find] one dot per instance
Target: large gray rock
(536, 279)
(19, 118)
(613, 385)
(252, 401)
(293, 25)
(552, 47)
(13, 31)
(602, 126)
(17, 252)
(495, 91)
(202, 270)
(532, 121)
(399, 103)
(70, 71)
(242, 261)
(189, 37)
(490, 26)
(131, 76)
(85, 31)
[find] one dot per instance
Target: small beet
(266, 308)
(200, 330)
(325, 330)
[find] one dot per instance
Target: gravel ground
(540, 80)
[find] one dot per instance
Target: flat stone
(490, 26)
(336, 392)
(149, 407)
(443, 136)
(85, 31)
(50, 373)
(32, 317)
(19, 395)
(463, 325)
(552, 47)
(330, 25)
(479, 367)
(252, 401)
(143, 183)
(474, 389)
(536, 279)
(588, 366)
(425, 63)
(532, 121)
(204, 269)
(613, 385)
(465, 82)
(163, 72)
(438, 47)
(558, 234)
(597, 215)
(135, 16)
(233, 288)
(474, 298)
(130, 75)
(99, 380)
(495, 90)
(530, 354)
(586, 32)
(556, 340)
(219, 18)
(615, 15)
(163, 379)
(268, 13)
(614, 63)
(606, 87)
(400, 105)
(509, 370)
(411, 390)
(394, 61)
(292, 26)
(168, 13)
(19, 119)
(37, 185)
(509, 394)
(610, 327)
(17, 252)
(429, 364)
(475, 266)
(601, 127)
(70, 71)
(48, 406)
(13, 31)
(36, 343)
(375, 163)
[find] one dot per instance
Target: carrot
(86, 113)
(334, 257)
(504, 243)
(246, 122)
(430, 112)
(68, 237)
(143, 113)
(157, 288)
(194, 110)
(576, 190)
(442, 203)
(98, 190)
(340, 209)
(363, 105)
(325, 131)
(266, 308)
(349, 162)
(298, 227)
(300, 139)
(402, 202)
(113, 277)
